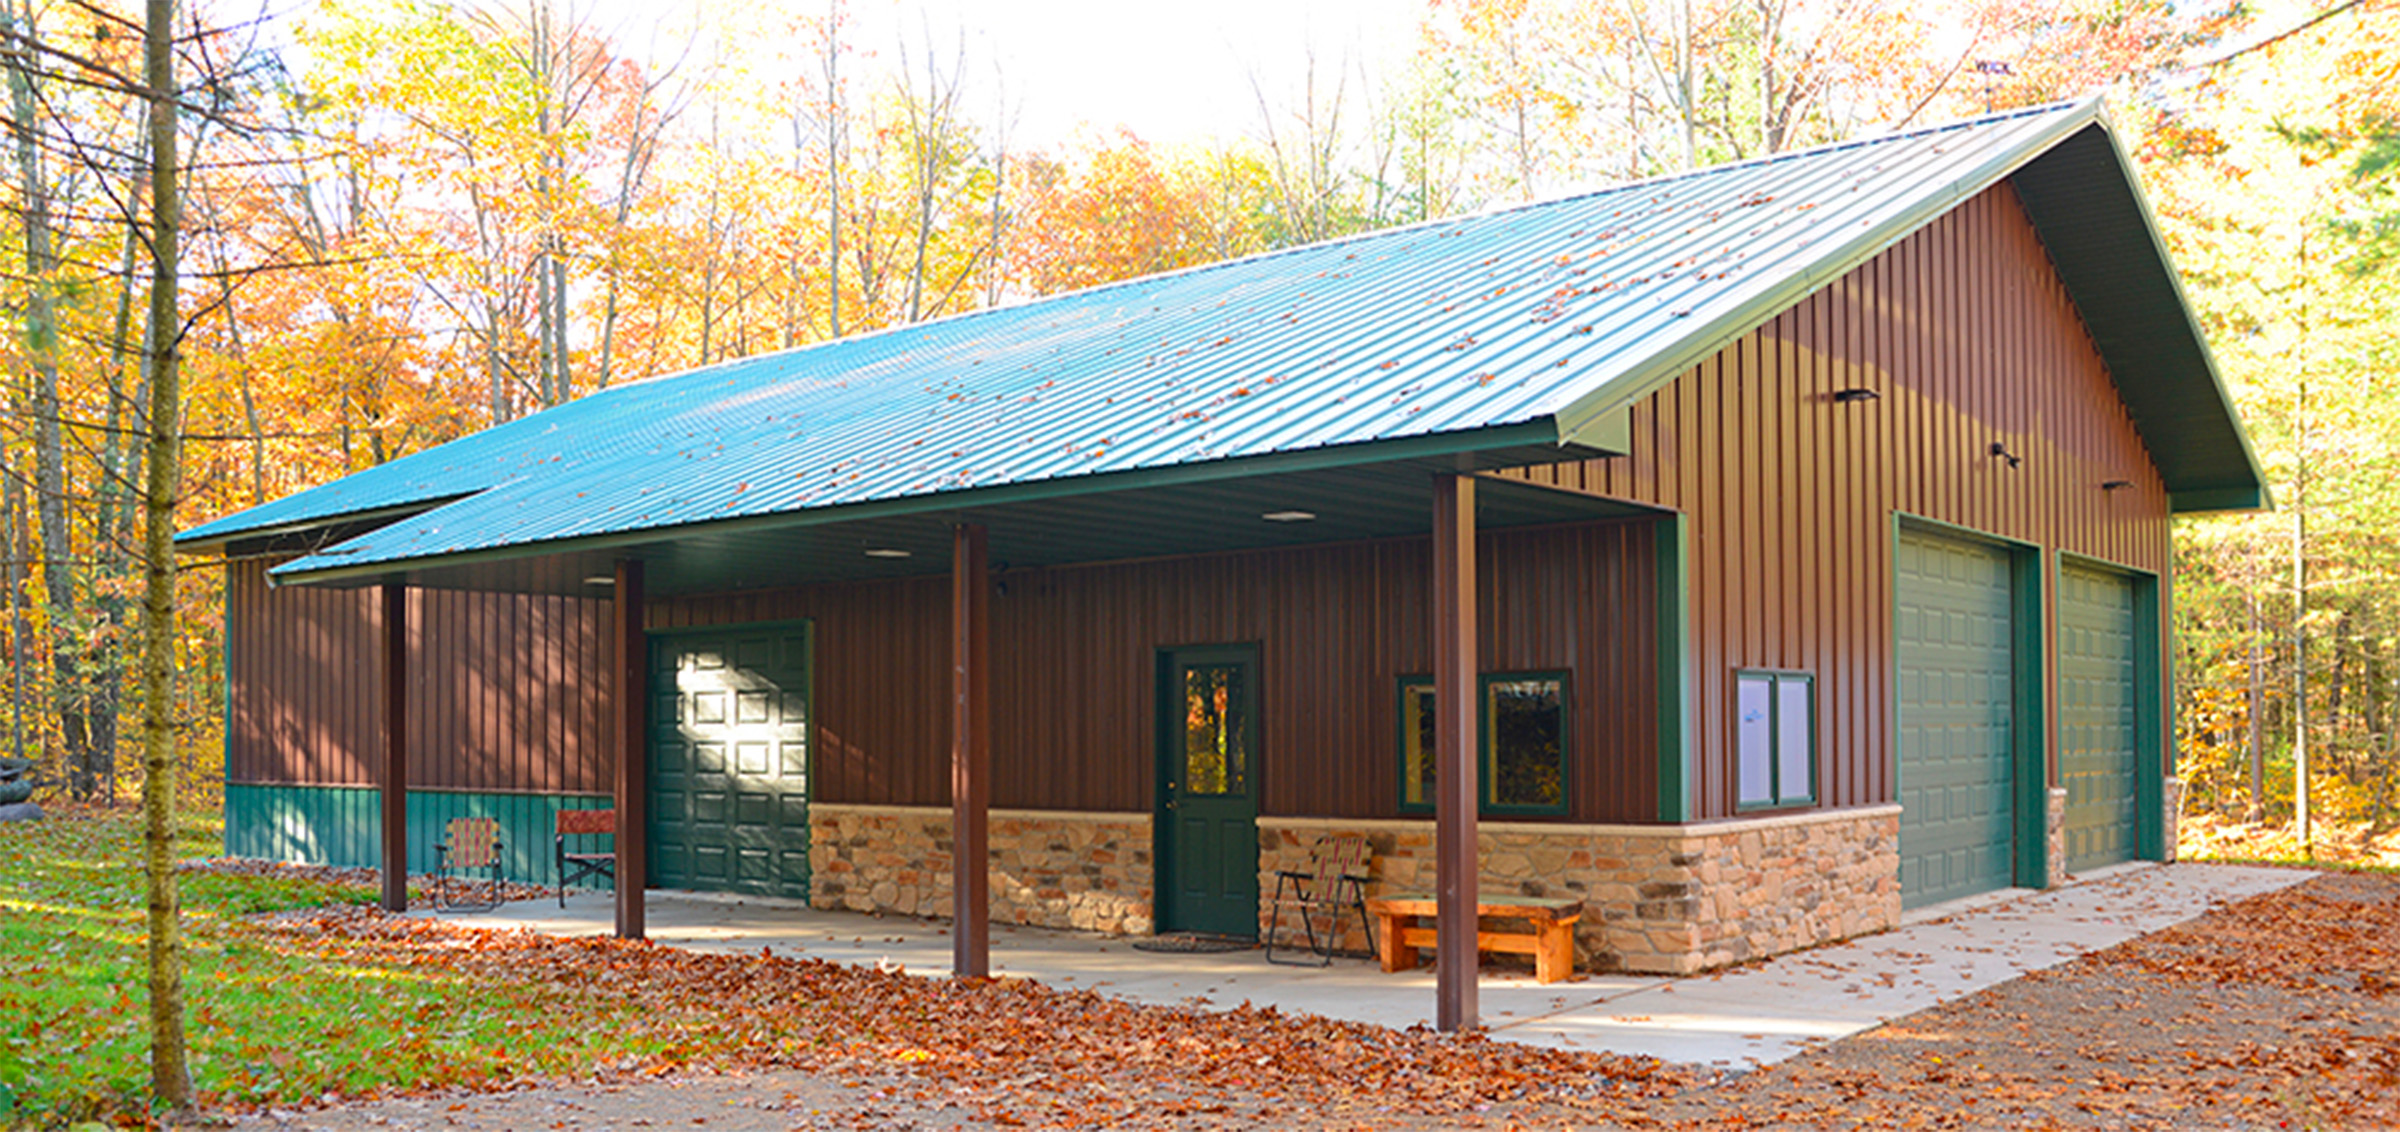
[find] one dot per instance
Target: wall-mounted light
(2001, 450)
(2116, 485)
(1850, 396)
(886, 552)
(600, 580)
(1289, 516)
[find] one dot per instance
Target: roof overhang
(2080, 191)
(306, 537)
(1356, 492)
(2103, 238)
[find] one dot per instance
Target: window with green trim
(1522, 755)
(1775, 738)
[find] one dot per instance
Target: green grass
(269, 1020)
(2291, 861)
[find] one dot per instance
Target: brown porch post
(395, 747)
(1455, 790)
(632, 695)
(970, 752)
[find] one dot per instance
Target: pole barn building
(1754, 553)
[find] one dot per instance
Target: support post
(970, 752)
(631, 718)
(1456, 791)
(395, 747)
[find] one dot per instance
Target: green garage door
(1957, 818)
(2096, 715)
(729, 760)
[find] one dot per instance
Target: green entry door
(1207, 822)
(729, 760)
(2097, 755)
(1956, 686)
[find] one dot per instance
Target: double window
(1522, 749)
(1775, 733)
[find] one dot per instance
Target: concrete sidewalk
(1768, 1012)
(1751, 1016)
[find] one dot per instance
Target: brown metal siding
(1970, 338)
(1074, 652)
(304, 681)
(509, 692)
(507, 689)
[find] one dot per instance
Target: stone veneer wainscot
(1665, 898)
(1050, 868)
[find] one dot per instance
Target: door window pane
(1216, 757)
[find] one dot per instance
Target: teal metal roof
(1511, 336)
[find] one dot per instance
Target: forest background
(410, 219)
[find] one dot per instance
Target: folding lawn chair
(1334, 881)
(573, 867)
(469, 846)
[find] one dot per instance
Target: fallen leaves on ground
(368, 882)
(1005, 1051)
(2269, 1012)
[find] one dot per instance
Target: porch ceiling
(1349, 503)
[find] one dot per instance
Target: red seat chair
(572, 866)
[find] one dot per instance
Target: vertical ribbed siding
(1968, 335)
(343, 825)
(510, 692)
(1074, 653)
(507, 690)
(304, 696)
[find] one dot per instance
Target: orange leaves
(1010, 1050)
(2255, 1015)
(1114, 211)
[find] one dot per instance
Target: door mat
(1193, 943)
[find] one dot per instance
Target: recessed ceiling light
(600, 580)
(1288, 516)
(886, 552)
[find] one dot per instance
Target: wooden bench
(1549, 936)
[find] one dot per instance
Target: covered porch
(971, 544)
(1754, 1015)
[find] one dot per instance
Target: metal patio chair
(1335, 881)
(469, 847)
(572, 867)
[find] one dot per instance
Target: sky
(1171, 71)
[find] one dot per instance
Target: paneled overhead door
(1957, 700)
(2098, 749)
(729, 760)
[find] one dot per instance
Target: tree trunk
(49, 446)
(833, 171)
(2258, 706)
(20, 626)
(170, 1078)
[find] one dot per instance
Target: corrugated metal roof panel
(1549, 314)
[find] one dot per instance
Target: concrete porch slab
(1753, 1015)
(1761, 1014)
(1354, 990)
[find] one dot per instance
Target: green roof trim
(2104, 240)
